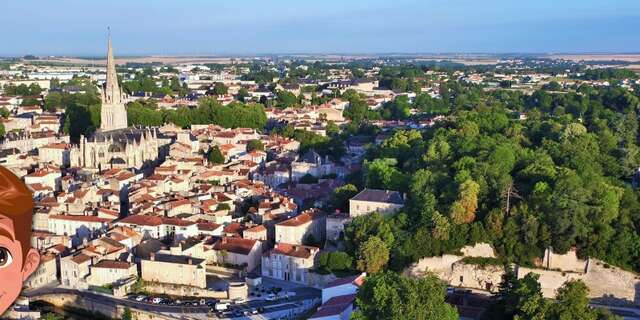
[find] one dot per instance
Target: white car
(140, 298)
(156, 300)
(270, 297)
(221, 306)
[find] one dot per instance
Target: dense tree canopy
(562, 178)
(388, 295)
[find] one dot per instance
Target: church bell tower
(113, 113)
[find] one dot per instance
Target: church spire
(112, 90)
(113, 113)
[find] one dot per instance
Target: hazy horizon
(248, 28)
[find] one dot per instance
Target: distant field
(142, 59)
(471, 60)
(598, 57)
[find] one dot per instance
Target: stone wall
(186, 291)
(480, 249)
(455, 272)
(607, 284)
(550, 280)
(564, 262)
(62, 300)
(611, 285)
(474, 276)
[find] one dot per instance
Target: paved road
(281, 304)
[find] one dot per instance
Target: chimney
(190, 261)
(152, 256)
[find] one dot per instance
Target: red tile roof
(142, 220)
(303, 218)
(81, 258)
(112, 264)
(294, 250)
(81, 218)
(357, 280)
(259, 228)
(235, 245)
(208, 226)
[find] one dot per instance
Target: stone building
(115, 145)
(372, 200)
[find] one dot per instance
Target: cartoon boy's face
(15, 266)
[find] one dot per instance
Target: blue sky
(78, 27)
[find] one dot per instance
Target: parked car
(211, 303)
(271, 297)
(222, 306)
(140, 298)
(156, 300)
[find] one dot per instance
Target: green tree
(52, 101)
(286, 99)
(215, 155)
(219, 88)
(383, 174)
(388, 295)
(52, 316)
(255, 144)
(126, 315)
(243, 93)
(573, 303)
(463, 210)
(341, 195)
(335, 261)
(372, 255)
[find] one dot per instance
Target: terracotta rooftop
(303, 218)
(177, 222)
(357, 280)
(259, 228)
(81, 218)
(81, 258)
(142, 220)
(294, 250)
(112, 264)
(208, 226)
(334, 306)
(233, 228)
(235, 245)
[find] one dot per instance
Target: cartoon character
(17, 259)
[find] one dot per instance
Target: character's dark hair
(16, 203)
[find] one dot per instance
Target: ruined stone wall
(481, 249)
(564, 262)
(550, 280)
(478, 277)
(607, 284)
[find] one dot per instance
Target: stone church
(115, 145)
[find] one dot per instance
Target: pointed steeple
(112, 90)
(113, 113)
